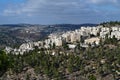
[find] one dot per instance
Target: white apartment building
(58, 41)
(91, 41)
(72, 37)
(94, 31)
(105, 29)
(71, 46)
(114, 28)
(66, 36)
(104, 32)
(26, 46)
(38, 43)
(8, 49)
(47, 41)
(116, 34)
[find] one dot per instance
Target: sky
(58, 11)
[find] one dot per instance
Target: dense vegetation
(4, 62)
(89, 63)
(111, 23)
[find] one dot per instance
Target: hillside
(15, 34)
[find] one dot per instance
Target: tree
(4, 62)
(92, 77)
(54, 45)
(65, 46)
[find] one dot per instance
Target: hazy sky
(58, 11)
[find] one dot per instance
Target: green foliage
(57, 66)
(54, 45)
(4, 62)
(113, 40)
(92, 77)
(111, 23)
(65, 46)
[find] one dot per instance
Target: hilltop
(110, 24)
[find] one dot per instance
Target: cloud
(61, 9)
(45, 6)
(103, 1)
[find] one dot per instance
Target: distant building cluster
(85, 36)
